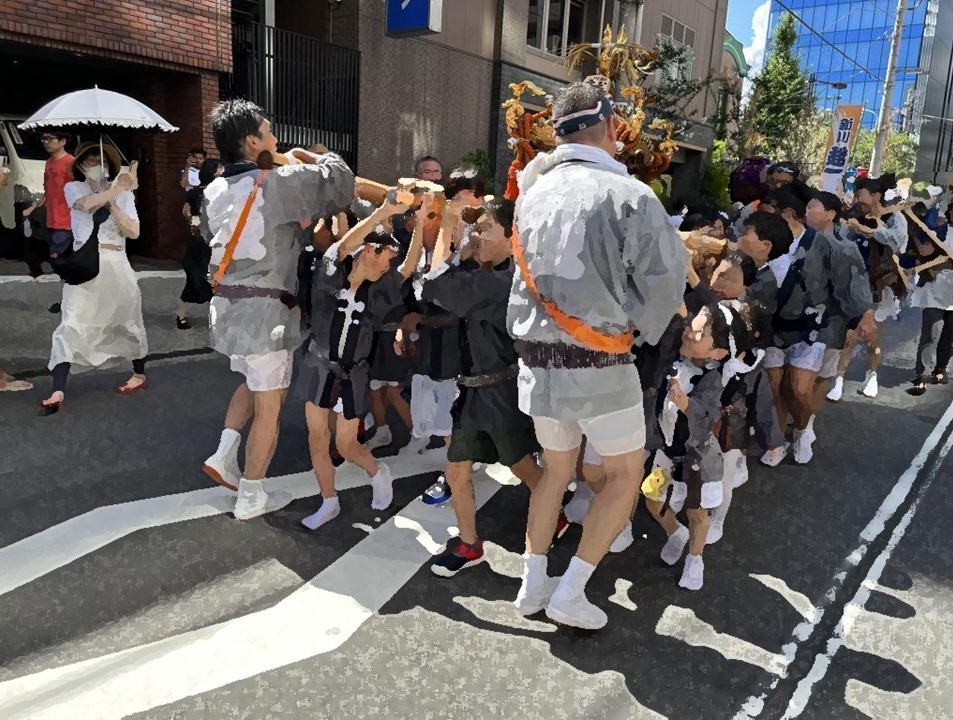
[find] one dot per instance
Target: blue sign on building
(414, 17)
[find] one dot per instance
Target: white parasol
(97, 107)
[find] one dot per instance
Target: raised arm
(92, 203)
(355, 237)
(412, 261)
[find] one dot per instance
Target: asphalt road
(127, 591)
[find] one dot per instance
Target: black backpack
(76, 267)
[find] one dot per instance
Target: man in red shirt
(55, 177)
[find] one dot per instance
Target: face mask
(95, 173)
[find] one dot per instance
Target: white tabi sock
(382, 487)
(535, 567)
(577, 575)
(229, 443)
(330, 509)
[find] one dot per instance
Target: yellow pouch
(653, 484)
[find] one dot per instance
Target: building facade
(848, 41)
(935, 153)
(327, 72)
(169, 55)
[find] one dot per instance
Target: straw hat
(111, 156)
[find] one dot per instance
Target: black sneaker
(55, 308)
(456, 557)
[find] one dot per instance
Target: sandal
(182, 323)
(47, 409)
(126, 389)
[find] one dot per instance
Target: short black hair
(758, 319)
(198, 151)
(831, 203)
(232, 122)
(426, 158)
(465, 178)
(58, 134)
(693, 221)
(783, 199)
(740, 260)
(502, 211)
(773, 229)
(207, 172)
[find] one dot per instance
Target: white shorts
(803, 355)
(829, 368)
(609, 435)
(271, 371)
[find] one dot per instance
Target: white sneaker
(382, 438)
(575, 611)
(578, 506)
(416, 446)
(716, 529)
(675, 546)
(693, 575)
(623, 539)
(775, 456)
(253, 501)
(870, 388)
(803, 450)
(382, 486)
(531, 600)
(837, 392)
(224, 469)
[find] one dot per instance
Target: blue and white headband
(569, 124)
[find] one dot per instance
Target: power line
(828, 42)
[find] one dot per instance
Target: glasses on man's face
(48, 138)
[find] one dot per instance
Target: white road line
(316, 619)
(754, 705)
(682, 624)
(822, 661)
(35, 556)
(48, 279)
(798, 601)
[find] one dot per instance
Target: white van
(24, 156)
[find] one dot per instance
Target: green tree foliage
(900, 158)
(781, 95)
(480, 159)
(714, 186)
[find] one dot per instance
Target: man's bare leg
(613, 506)
(528, 472)
(223, 467)
(263, 436)
(546, 501)
(459, 477)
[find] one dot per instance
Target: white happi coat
(600, 246)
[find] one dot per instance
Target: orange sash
(574, 327)
(239, 227)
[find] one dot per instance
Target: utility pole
(631, 17)
(883, 119)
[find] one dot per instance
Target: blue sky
(748, 21)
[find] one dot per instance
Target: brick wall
(170, 33)
(180, 48)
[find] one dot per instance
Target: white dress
(101, 320)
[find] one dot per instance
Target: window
(683, 37)
(555, 25)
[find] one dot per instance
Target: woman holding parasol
(101, 318)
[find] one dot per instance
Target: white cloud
(754, 52)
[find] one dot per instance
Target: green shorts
(503, 447)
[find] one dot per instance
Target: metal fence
(310, 89)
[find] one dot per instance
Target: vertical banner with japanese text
(844, 132)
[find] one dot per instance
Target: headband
(574, 122)
(786, 168)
